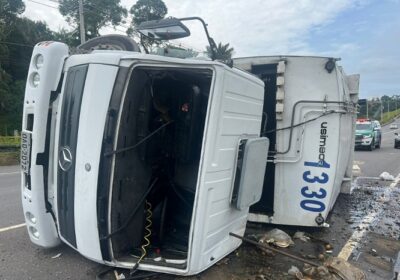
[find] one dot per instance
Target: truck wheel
(110, 42)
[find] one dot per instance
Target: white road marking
(356, 167)
(12, 227)
(9, 173)
(356, 237)
(390, 131)
(368, 178)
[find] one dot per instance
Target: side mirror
(163, 29)
(396, 134)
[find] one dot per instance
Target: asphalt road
(387, 158)
(20, 259)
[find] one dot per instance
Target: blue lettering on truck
(313, 200)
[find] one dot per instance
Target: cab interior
(159, 144)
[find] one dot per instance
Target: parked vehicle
(149, 162)
(396, 140)
(393, 126)
(368, 135)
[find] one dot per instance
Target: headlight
(34, 232)
(38, 61)
(31, 217)
(35, 79)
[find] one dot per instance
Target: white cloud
(269, 27)
(256, 27)
(260, 27)
(51, 16)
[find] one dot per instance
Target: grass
(9, 155)
(388, 116)
(10, 141)
(9, 158)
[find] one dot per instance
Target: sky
(365, 34)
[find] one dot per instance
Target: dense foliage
(145, 10)
(383, 108)
(98, 13)
(18, 35)
(224, 52)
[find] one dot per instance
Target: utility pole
(81, 22)
(366, 105)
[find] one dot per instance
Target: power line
(44, 4)
(15, 44)
(85, 10)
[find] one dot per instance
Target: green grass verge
(10, 141)
(9, 158)
(388, 116)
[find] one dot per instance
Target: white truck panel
(93, 114)
(36, 104)
(227, 122)
(301, 80)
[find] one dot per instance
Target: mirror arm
(213, 46)
(143, 45)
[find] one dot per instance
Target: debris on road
(344, 269)
(294, 271)
(277, 237)
(301, 235)
(56, 256)
(385, 176)
(333, 268)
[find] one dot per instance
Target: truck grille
(359, 137)
(69, 125)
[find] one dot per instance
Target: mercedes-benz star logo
(65, 158)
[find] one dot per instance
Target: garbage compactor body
(136, 159)
(309, 116)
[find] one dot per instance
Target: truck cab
(140, 161)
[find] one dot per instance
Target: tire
(372, 146)
(110, 42)
(379, 144)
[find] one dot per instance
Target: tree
(224, 52)
(10, 9)
(17, 39)
(145, 10)
(98, 13)
(71, 38)
(24, 33)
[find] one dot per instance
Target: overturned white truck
(148, 162)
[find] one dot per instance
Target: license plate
(26, 140)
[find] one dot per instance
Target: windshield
(363, 126)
